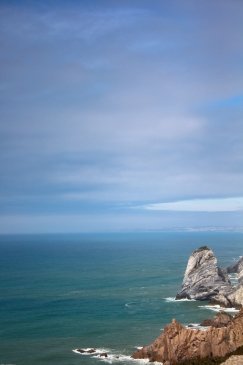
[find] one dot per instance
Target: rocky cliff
(204, 279)
(178, 344)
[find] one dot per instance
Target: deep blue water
(61, 292)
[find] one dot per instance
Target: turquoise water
(61, 292)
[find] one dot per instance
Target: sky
(121, 115)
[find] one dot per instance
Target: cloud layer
(200, 205)
(114, 105)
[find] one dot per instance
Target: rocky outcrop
(234, 360)
(204, 279)
(178, 344)
(221, 320)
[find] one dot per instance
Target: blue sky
(120, 115)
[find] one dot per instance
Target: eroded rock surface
(204, 279)
(178, 343)
(234, 360)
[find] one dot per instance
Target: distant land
(200, 229)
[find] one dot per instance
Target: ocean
(112, 292)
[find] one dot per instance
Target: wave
(90, 351)
(116, 358)
(234, 279)
(130, 304)
(193, 325)
(233, 275)
(174, 300)
(196, 326)
(112, 357)
(218, 308)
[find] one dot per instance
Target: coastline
(222, 336)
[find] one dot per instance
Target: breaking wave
(111, 357)
(173, 300)
(218, 308)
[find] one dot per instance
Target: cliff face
(203, 279)
(180, 344)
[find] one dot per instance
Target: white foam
(114, 357)
(230, 310)
(196, 326)
(86, 353)
(233, 275)
(234, 279)
(218, 308)
(76, 351)
(191, 325)
(174, 300)
(131, 304)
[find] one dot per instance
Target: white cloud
(200, 205)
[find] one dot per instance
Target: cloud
(119, 105)
(200, 205)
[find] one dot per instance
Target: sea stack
(204, 279)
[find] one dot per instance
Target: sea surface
(108, 291)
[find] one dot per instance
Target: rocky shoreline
(203, 280)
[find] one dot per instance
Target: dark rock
(202, 248)
(104, 354)
(222, 319)
(91, 351)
